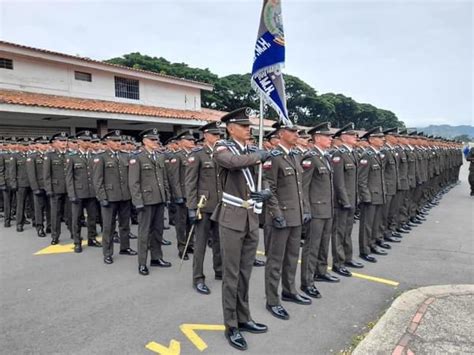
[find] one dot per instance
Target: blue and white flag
(269, 59)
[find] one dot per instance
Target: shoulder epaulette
(295, 152)
(225, 142)
(369, 152)
(276, 152)
(341, 149)
(309, 154)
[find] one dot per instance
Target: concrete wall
(46, 77)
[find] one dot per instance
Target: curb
(403, 318)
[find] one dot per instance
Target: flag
(267, 78)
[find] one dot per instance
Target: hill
(448, 131)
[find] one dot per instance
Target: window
(127, 88)
(79, 75)
(6, 63)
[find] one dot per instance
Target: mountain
(448, 131)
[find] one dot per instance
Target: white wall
(42, 76)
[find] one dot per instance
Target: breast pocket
(323, 170)
(79, 166)
(288, 171)
(349, 166)
(375, 167)
(109, 165)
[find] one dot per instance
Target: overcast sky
(412, 57)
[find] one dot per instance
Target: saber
(201, 204)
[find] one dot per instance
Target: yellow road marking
(358, 275)
(189, 331)
(173, 349)
(61, 248)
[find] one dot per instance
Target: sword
(201, 204)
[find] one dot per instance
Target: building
(42, 91)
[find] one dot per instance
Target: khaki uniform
(390, 174)
(201, 180)
(54, 176)
(19, 183)
(238, 230)
(80, 190)
(150, 190)
(110, 176)
(372, 196)
(34, 169)
(319, 195)
(182, 225)
(284, 176)
(344, 163)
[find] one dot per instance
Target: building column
(101, 127)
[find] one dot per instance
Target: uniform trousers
(120, 209)
(282, 261)
(238, 254)
(370, 216)
(342, 236)
(182, 227)
(42, 209)
(384, 230)
(150, 232)
(60, 209)
(21, 195)
(205, 229)
(314, 258)
(7, 204)
(77, 208)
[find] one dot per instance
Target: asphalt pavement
(65, 303)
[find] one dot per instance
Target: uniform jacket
(232, 181)
(344, 164)
(390, 170)
(147, 179)
(110, 176)
(284, 175)
(371, 180)
(34, 169)
(173, 163)
(201, 179)
(79, 182)
(402, 160)
(318, 184)
(17, 173)
(54, 167)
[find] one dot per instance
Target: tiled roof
(14, 97)
(85, 59)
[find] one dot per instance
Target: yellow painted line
(358, 275)
(189, 331)
(173, 349)
(61, 248)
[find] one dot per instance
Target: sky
(414, 58)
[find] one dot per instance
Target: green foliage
(304, 104)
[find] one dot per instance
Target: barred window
(127, 88)
(6, 63)
(79, 75)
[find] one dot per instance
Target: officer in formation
(470, 159)
(313, 183)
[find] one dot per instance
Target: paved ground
(427, 320)
(70, 303)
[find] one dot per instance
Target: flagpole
(260, 142)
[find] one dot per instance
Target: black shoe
(311, 291)
(383, 245)
(378, 251)
(411, 224)
(26, 222)
(258, 263)
(420, 217)
(327, 277)
(392, 239)
(19, 228)
(40, 232)
(415, 221)
(160, 263)
(165, 242)
(368, 258)
(94, 243)
(402, 230)
(128, 251)
(116, 238)
(7, 224)
(108, 260)
(354, 264)
(202, 288)
(397, 235)
(134, 221)
(190, 250)
(342, 271)
(252, 327)
(278, 311)
(235, 339)
(77, 248)
(180, 255)
(297, 298)
(54, 242)
(407, 227)
(143, 270)
(132, 236)
(48, 230)
(217, 277)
